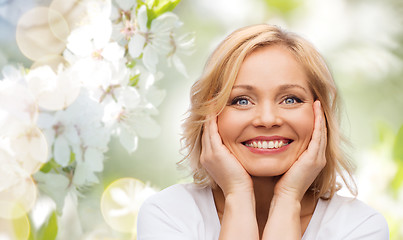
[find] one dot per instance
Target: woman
(264, 146)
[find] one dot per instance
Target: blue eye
(243, 101)
(240, 101)
(291, 100)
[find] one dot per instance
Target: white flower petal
(10, 171)
(113, 52)
(53, 92)
(31, 149)
(136, 45)
(142, 18)
(18, 106)
(102, 32)
(129, 97)
(112, 111)
(128, 140)
(115, 13)
(155, 95)
(41, 79)
(150, 58)
(45, 120)
(71, 134)
(54, 185)
(126, 5)
(79, 41)
(165, 23)
(61, 151)
(94, 159)
(185, 43)
(146, 127)
(83, 175)
(179, 65)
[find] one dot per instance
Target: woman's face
(269, 119)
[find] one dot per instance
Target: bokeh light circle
(15, 228)
(18, 199)
(41, 32)
(121, 202)
(64, 91)
(31, 149)
(53, 61)
(73, 11)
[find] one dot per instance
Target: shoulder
(175, 198)
(353, 219)
(178, 196)
(352, 209)
(175, 211)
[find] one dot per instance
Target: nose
(268, 116)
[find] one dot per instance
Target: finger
(214, 135)
(323, 141)
(314, 144)
(206, 145)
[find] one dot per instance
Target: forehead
(270, 66)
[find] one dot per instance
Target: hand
(222, 166)
(295, 182)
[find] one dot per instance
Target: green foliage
(131, 64)
(386, 135)
(48, 231)
(398, 146)
(394, 227)
(20, 227)
(134, 80)
(284, 6)
(51, 164)
(157, 7)
(397, 181)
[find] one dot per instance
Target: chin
(268, 167)
(264, 172)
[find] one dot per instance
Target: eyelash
(297, 100)
(236, 100)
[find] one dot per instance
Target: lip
(268, 138)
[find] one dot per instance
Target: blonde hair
(211, 92)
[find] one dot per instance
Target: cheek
(305, 124)
(224, 125)
(229, 123)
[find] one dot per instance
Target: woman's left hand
(295, 182)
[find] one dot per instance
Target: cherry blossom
(56, 121)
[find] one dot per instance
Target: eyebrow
(281, 88)
(288, 86)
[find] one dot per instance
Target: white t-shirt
(186, 211)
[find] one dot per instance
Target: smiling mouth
(261, 144)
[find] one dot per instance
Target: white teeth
(267, 144)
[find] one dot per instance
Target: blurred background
(362, 41)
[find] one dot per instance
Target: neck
(264, 191)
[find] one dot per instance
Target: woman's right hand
(236, 184)
(221, 164)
